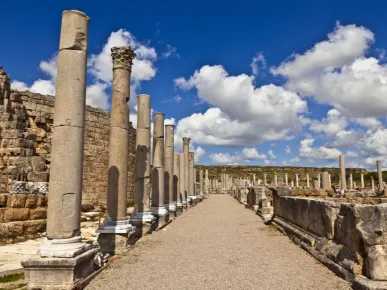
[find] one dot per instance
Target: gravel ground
(217, 244)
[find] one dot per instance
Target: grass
(11, 278)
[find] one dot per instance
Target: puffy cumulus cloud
(331, 125)
(271, 154)
(373, 146)
(258, 63)
(288, 150)
(337, 72)
(44, 87)
(100, 65)
(240, 109)
(317, 153)
(351, 154)
(223, 159)
(199, 154)
(252, 153)
(292, 161)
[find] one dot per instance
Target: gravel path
(218, 244)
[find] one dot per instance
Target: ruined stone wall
(351, 237)
(25, 133)
(22, 217)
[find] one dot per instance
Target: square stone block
(161, 221)
(116, 244)
(59, 273)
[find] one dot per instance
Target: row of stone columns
(172, 179)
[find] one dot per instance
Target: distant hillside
(248, 171)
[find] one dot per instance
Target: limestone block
(12, 229)
(38, 176)
(31, 228)
(38, 213)
(2, 212)
(3, 199)
(42, 201)
(16, 200)
(31, 201)
(16, 214)
(283, 191)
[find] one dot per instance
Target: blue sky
(252, 82)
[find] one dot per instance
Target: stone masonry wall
(25, 133)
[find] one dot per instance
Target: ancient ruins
(64, 163)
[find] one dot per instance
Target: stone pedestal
(59, 273)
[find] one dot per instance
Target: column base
(159, 210)
(115, 237)
(143, 222)
(179, 208)
(59, 273)
(63, 248)
(171, 209)
(161, 221)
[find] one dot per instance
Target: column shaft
(168, 166)
(380, 175)
(342, 173)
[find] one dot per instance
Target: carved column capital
(186, 140)
(123, 57)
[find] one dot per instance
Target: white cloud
(336, 72)
(97, 96)
(271, 154)
(267, 161)
(240, 109)
(171, 50)
(44, 87)
(288, 150)
(258, 60)
(223, 158)
(319, 153)
(252, 153)
(199, 154)
(330, 125)
(351, 154)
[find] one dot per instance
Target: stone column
(275, 180)
(286, 179)
(176, 183)
(350, 181)
(191, 175)
(194, 184)
(316, 184)
(325, 180)
(342, 173)
(114, 232)
(168, 170)
(186, 141)
(362, 179)
(380, 176)
(182, 180)
(264, 179)
(254, 178)
(319, 179)
(297, 183)
(158, 208)
(307, 180)
(292, 184)
(201, 187)
(206, 189)
(142, 217)
(330, 180)
(63, 245)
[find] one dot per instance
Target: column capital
(186, 140)
(123, 57)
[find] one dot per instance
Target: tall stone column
(342, 173)
(254, 178)
(186, 141)
(325, 180)
(182, 180)
(142, 216)
(319, 179)
(380, 176)
(206, 184)
(63, 245)
(201, 188)
(114, 232)
(176, 183)
(297, 183)
(191, 191)
(286, 179)
(275, 180)
(264, 179)
(316, 184)
(158, 208)
(350, 181)
(307, 180)
(168, 170)
(362, 179)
